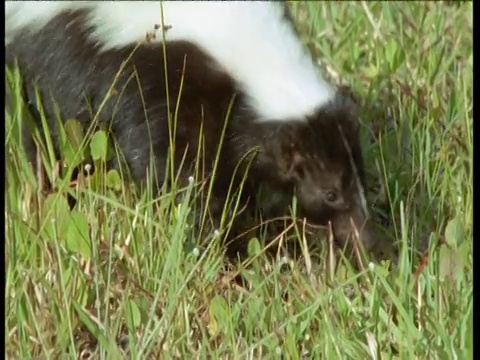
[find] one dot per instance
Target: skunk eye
(331, 196)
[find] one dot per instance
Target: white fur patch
(35, 14)
(250, 39)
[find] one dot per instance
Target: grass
(120, 273)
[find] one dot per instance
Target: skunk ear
(347, 93)
(296, 169)
(292, 161)
(347, 103)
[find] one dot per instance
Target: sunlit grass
(122, 271)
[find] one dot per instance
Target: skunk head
(319, 159)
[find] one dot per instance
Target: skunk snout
(353, 226)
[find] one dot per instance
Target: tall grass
(122, 272)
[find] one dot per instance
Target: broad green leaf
(77, 236)
(99, 146)
(113, 180)
(454, 233)
(133, 315)
(254, 247)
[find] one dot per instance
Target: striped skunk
(243, 59)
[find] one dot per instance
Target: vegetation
(120, 272)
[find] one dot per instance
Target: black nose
(352, 225)
(368, 235)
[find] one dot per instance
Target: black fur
(306, 158)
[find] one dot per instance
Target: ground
(109, 277)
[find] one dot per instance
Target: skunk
(241, 78)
